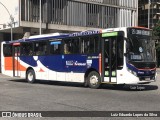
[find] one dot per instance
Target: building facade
(149, 8)
(65, 16)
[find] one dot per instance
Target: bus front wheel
(30, 76)
(94, 80)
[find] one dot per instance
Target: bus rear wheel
(30, 77)
(94, 80)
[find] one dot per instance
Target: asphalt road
(18, 95)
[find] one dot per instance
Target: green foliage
(158, 47)
(156, 29)
(156, 34)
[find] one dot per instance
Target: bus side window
(7, 50)
(40, 48)
(27, 49)
(17, 51)
(55, 47)
(85, 45)
(75, 44)
(66, 49)
(68, 46)
(72, 46)
(94, 44)
(90, 45)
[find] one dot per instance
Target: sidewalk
(158, 69)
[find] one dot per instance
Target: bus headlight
(133, 72)
(153, 72)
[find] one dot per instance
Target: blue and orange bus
(111, 56)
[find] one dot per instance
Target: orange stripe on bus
(8, 65)
(41, 70)
(141, 27)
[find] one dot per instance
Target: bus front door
(113, 55)
(16, 60)
(109, 59)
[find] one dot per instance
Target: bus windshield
(141, 48)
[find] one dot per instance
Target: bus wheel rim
(30, 76)
(94, 80)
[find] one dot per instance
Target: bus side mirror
(125, 54)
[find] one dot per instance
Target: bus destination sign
(134, 31)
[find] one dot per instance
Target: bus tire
(85, 83)
(94, 80)
(30, 76)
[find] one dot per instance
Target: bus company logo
(79, 64)
(75, 63)
(70, 63)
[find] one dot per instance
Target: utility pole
(149, 8)
(40, 17)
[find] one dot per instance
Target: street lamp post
(149, 3)
(11, 18)
(40, 17)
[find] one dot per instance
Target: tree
(156, 29)
(156, 36)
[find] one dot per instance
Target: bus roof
(42, 37)
(57, 35)
(63, 35)
(83, 33)
(47, 35)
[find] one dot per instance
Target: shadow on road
(138, 87)
(56, 83)
(130, 87)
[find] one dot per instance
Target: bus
(115, 56)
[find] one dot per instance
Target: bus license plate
(147, 79)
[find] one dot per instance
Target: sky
(13, 8)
